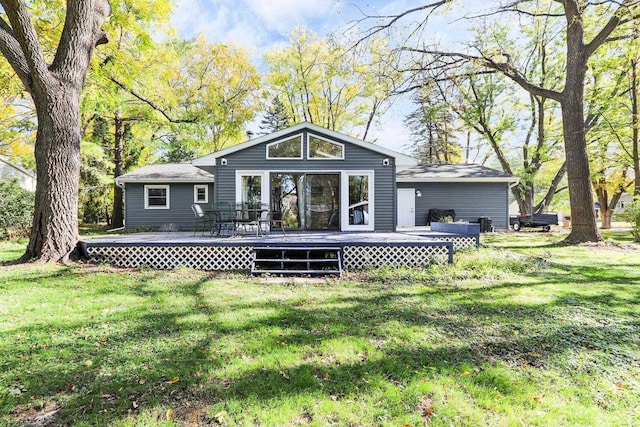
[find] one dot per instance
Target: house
(315, 179)
(10, 170)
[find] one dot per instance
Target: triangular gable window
(287, 149)
(323, 149)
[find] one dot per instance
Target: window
(249, 188)
(323, 149)
(358, 199)
(288, 149)
(156, 197)
(201, 193)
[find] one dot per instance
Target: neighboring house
(313, 178)
(10, 170)
(624, 201)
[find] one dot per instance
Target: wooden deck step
(285, 260)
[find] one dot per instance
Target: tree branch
(150, 103)
(506, 68)
(26, 36)
(11, 50)
(81, 33)
(609, 27)
(432, 7)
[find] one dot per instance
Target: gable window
(201, 193)
(287, 149)
(156, 197)
(323, 149)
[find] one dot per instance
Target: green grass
(520, 332)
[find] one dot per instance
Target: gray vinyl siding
(356, 158)
(470, 200)
(179, 214)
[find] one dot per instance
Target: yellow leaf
(173, 380)
(220, 417)
(169, 414)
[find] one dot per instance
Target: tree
(322, 81)
(54, 84)
(107, 100)
(431, 125)
(581, 39)
(275, 118)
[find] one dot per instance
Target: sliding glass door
(306, 201)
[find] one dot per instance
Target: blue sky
(261, 25)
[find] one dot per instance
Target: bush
(16, 210)
(632, 215)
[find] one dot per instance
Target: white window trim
(344, 201)
(309, 135)
(281, 141)
(146, 196)
(264, 184)
(206, 193)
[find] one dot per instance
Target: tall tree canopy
(322, 81)
(583, 26)
(54, 80)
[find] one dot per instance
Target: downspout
(113, 230)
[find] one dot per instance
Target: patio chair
(204, 220)
(273, 220)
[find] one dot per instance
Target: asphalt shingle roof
(451, 172)
(181, 172)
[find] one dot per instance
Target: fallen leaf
(169, 414)
(221, 417)
(142, 381)
(173, 380)
(134, 404)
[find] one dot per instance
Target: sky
(261, 25)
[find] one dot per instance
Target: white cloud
(282, 16)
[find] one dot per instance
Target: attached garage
(472, 191)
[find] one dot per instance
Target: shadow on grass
(108, 366)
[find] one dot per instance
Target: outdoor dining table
(233, 223)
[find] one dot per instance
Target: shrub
(16, 210)
(632, 215)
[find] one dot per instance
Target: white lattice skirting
(361, 257)
(228, 258)
(461, 243)
(169, 257)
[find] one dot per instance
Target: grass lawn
(519, 332)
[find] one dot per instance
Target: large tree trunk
(635, 123)
(583, 216)
(118, 160)
(54, 233)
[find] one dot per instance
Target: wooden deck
(166, 250)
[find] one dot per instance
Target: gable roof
(210, 159)
(166, 172)
(453, 173)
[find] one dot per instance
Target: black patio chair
(204, 220)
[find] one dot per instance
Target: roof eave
(495, 179)
(143, 180)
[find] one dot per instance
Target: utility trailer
(544, 220)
